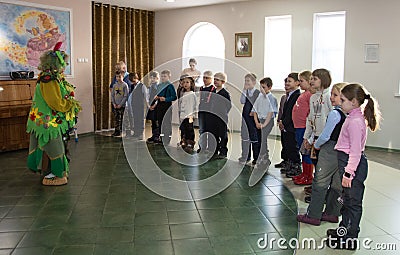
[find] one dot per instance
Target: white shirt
(187, 105)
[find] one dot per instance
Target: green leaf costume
(53, 113)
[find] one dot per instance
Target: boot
(307, 180)
(302, 173)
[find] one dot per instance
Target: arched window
(204, 42)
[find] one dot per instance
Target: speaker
(22, 75)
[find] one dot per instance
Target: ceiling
(159, 5)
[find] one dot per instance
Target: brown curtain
(119, 34)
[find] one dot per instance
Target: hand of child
(251, 114)
(281, 126)
(258, 125)
(307, 145)
(346, 183)
(152, 107)
(162, 99)
(190, 119)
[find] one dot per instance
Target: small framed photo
(243, 44)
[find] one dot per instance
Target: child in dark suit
(221, 110)
(293, 166)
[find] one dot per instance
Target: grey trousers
(327, 184)
(262, 137)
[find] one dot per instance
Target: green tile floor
(105, 209)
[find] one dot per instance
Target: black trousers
(206, 124)
(164, 119)
(187, 130)
(353, 197)
(289, 144)
(220, 132)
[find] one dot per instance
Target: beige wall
(81, 48)
(367, 21)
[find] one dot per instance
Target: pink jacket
(352, 139)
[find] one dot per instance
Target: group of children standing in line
(328, 127)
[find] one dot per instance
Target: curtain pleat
(119, 34)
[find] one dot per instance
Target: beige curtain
(119, 34)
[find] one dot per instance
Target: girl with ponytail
(362, 110)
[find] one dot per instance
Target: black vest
(248, 105)
(205, 98)
(338, 127)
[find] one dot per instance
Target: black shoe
(307, 199)
(332, 232)
(157, 141)
(282, 164)
(150, 140)
(221, 156)
(116, 134)
(254, 162)
(342, 243)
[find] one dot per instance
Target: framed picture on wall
(32, 29)
(243, 44)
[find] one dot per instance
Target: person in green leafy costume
(53, 113)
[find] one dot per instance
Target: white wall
(367, 21)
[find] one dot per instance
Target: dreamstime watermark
(334, 241)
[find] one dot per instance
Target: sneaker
(329, 218)
(308, 220)
(282, 164)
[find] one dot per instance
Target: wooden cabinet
(15, 102)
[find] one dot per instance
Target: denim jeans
(353, 197)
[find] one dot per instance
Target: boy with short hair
(265, 108)
(138, 100)
(119, 96)
(205, 109)
(164, 96)
(248, 131)
(293, 166)
(221, 107)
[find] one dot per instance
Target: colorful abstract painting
(27, 31)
